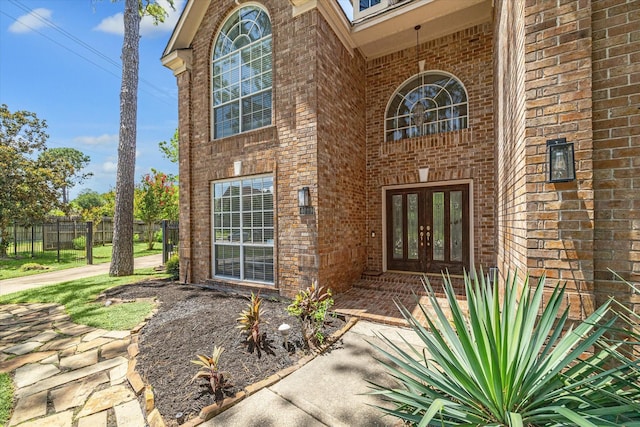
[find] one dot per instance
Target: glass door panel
(412, 226)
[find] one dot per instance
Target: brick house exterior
(531, 71)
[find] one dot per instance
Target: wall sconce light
(561, 165)
(304, 201)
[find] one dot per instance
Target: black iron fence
(170, 239)
(72, 240)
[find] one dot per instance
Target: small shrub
(136, 237)
(173, 267)
(79, 243)
(311, 307)
(32, 266)
(210, 370)
(157, 236)
(250, 320)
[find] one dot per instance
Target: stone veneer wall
(464, 154)
(511, 198)
(286, 149)
(560, 216)
(341, 161)
(616, 141)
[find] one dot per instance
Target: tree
(155, 200)
(170, 149)
(68, 162)
(29, 187)
(122, 252)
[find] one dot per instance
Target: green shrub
(79, 243)
(173, 267)
(33, 266)
(136, 237)
(157, 236)
(311, 307)
(511, 361)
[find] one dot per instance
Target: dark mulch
(190, 321)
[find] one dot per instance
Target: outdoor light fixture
(561, 165)
(304, 201)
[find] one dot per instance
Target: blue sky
(61, 60)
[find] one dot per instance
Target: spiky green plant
(511, 362)
(311, 307)
(250, 320)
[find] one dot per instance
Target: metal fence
(72, 240)
(170, 239)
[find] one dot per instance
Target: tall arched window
(428, 103)
(241, 73)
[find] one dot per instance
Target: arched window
(428, 103)
(241, 73)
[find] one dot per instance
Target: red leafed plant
(250, 320)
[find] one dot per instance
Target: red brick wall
(286, 149)
(560, 217)
(465, 154)
(341, 161)
(616, 140)
(509, 75)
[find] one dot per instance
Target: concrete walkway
(330, 390)
(65, 374)
(8, 286)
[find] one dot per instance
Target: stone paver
(94, 420)
(129, 414)
(60, 419)
(30, 374)
(45, 336)
(89, 345)
(16, 362)
(118, 374)
(107, 398)
(76, 393)
(114, 348)
(23, 348)
(80, 360)
(30, 407)
(95, 334)
(118, 335)
(67, 377)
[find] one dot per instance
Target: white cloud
(33, 20)
(114, 24)
(109, 166)
(97, 140)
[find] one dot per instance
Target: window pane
(438, 226)
(455, 220)
(398, 235)
(412, 226)
(227, 261)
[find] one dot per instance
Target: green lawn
(6, 398)
(10, 267)
(78, 297)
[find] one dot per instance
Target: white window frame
(242, 244)
(239, 100)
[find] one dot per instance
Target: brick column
(560, 217)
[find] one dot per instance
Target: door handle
(428, 238)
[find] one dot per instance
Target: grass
(78, 297)
(6, 398)
(14, 267)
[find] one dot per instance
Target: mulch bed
(191, 320)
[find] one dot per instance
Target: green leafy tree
(29, 187)
(155, 199)
(170, 148)
(68, 163)
(122, 252)
(90, 205)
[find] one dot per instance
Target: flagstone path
(65, 374)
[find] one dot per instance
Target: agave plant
(250, 320)
(511, 362)
(210, 370)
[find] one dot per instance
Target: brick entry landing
(372, 297)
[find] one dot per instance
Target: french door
(428, 229)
